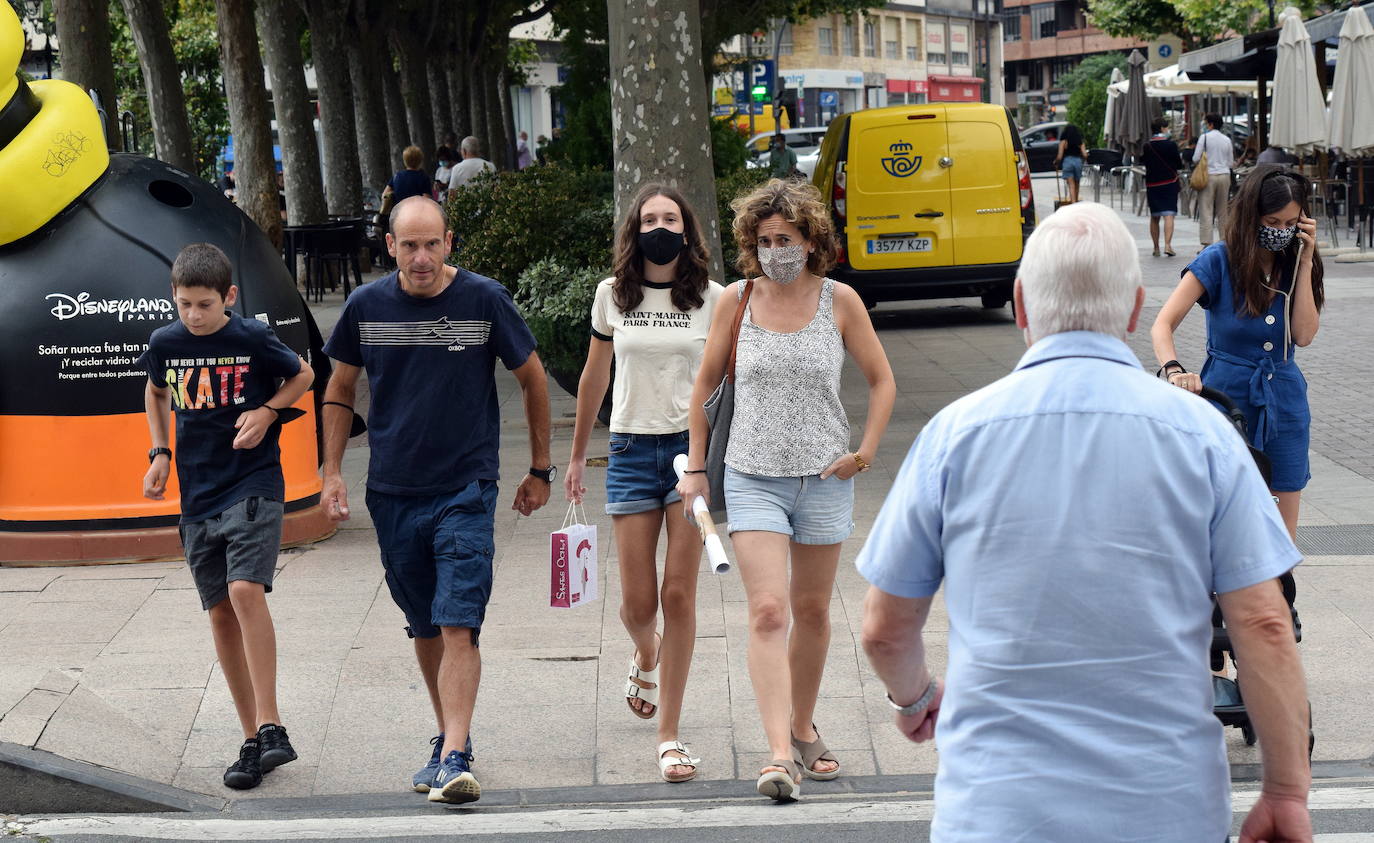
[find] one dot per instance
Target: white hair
(471, 147)
(1080, 272)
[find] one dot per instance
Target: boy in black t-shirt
(220, 373)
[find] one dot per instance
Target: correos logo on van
(901, 163)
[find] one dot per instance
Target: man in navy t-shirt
(429, 336)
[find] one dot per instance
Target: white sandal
(642, 685)
(665, 762)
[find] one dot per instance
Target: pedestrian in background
(789, 477)
(1162, 163)
(522, 152)
(782, 159)
(1263, 293)
(472, 164)
(1080, 515)
(412, 181)
(1221, 158)
(652, 316)
(1069, 158)
(443, 173)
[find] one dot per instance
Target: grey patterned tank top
(789, 421)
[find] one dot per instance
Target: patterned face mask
(782, 263)
(1276, 239)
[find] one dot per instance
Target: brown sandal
(781, 787)
(813, 752)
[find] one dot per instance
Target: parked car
(1041, 143)
(805, 142)
(929, 201)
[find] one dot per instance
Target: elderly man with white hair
(1080, 514)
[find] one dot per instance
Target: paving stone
(119, 742)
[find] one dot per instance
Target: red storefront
(901, 91)
(955, 88)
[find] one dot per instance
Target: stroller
(1228, 706)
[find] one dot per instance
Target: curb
(33, 781)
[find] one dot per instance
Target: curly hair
(690, 280)
(796, 202)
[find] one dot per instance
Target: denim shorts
(1072, 167)
(809, 509)
(639, 473)
(241, 543)
(437, 552)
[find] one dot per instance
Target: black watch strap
(157, 452)
(546, 474)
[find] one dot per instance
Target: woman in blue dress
(1262, 290)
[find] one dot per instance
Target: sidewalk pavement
(114, 665)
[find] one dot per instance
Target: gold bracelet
(863, 465)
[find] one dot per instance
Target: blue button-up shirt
(1080, 514)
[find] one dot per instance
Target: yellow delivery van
(929, 201)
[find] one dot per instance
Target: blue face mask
(1276, 239)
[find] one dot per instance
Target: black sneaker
(246, 773)
(276, 747)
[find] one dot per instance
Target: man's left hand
(920, 727)
(532, 494)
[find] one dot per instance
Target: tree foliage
(1197, 22)
(1088, 100)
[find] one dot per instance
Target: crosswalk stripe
(598, 819)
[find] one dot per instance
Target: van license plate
(899, 244)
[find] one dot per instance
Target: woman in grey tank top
(789, 482)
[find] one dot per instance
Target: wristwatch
(546, 474)
(921, 704)
(157, 452)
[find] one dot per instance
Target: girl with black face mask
(1262, 290)
(652, 317)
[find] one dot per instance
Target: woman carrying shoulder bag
(789, 477)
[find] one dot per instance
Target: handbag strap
(734, 332)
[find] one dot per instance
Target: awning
(1328, 27)
(1246, 56)
(956, 80)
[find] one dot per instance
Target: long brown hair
(689, 279)
(1267, 190)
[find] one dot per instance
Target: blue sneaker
(455, 783)
(420, 782)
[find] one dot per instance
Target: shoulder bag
(1198, 180)
(720, 412)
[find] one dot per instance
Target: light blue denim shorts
(809, 509)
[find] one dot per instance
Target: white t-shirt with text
(658, 350)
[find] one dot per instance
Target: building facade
(1042, 41)
(910, 52)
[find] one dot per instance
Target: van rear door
(983, 182)
(899, 212)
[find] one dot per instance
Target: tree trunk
(396, 129)
(343, 187)
(477, 100)
(439, 100)
(415, 93)
(255, 176)
(458, 96)
(162, 79)
(279, 26)
(83, 29)
(496, 124)
(508, 117)
(659, 108)
(365, 69)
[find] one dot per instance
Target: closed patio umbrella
(1352, 93)
(1113, 107)
(1133, 121)
(1299, 115)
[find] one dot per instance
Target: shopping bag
(572, 562)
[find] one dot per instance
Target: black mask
(661, 245)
